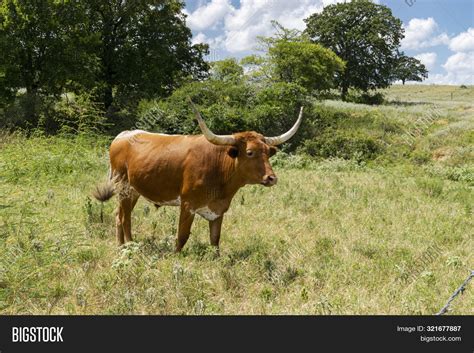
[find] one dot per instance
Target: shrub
(271, 110)
(223, 105)
(152, 117)
(227, 108)
(24, 112)
(77, 115)
(342, 144)
(49, 114)
(368, 98)
(464, 173)
(276, 109)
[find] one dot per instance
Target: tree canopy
(227, 70)
(37, 44)
(365, 35)
(409, 69)
(118, 50)
(307, 64)
(144, 48)
(289, 56)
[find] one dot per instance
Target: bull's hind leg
(127, 206)
(124, 216)
(118, 226)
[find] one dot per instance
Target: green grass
(333, 237)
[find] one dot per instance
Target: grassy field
(392, 236)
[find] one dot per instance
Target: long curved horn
(278, 140)
(210, 136)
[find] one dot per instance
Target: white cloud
(428, 59)
(460, 63)
(200, 38)
(449, 79)
(253, 19)
(463, 42)
(459, 69)
(209, 14)
(459, 66)
(422, 33)
(240, 26)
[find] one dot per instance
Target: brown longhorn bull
(200, 173)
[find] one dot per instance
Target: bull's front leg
(186, 219)
(215, 227)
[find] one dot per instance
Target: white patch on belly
(176, 202)
(206, 213)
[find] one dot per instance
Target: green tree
(37, 42)
(280, 33)
(291, 57)
(256, 69)
(120, 51)
(307, 64)
(145, 48)
(409, 69)
(365, 35)
(227, 70)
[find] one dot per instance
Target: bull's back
(152, 163)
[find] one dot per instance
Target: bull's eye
(250, 153)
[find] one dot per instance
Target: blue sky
(438, 32)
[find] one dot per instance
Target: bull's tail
(104, 192)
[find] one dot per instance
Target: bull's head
(251, 150)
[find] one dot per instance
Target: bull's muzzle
(269, 180)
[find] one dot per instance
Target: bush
(152, 117)
(276, 109)
(74, 115)
(342, 144)
(464, 173)
(52, 115)
(237, 106)
(293, 161)
(24, 112)
(224, 106)
(227, 108)
(368, 98)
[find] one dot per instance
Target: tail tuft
(104, 192)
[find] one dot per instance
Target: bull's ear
(272, 151)
(233, 152)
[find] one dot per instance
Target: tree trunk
(108, 97)
(344, 91)
(31, 114)
(29, 105)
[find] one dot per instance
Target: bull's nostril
(270, 179)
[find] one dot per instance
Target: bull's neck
(229, 178)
